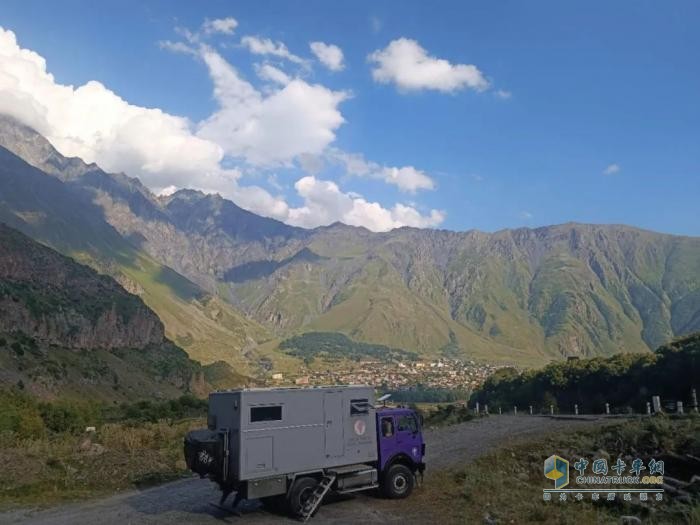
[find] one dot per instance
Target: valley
(232, 286)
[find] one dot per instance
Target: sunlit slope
(519, 295)
(63, 217)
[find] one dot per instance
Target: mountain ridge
(526, 294)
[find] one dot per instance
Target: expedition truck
(289, 447)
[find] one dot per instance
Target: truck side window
(359, 407)
(407, 424)
(387, 427)
(269, 413)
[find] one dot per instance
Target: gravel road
(189, 500)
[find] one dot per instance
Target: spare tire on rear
(204, 453)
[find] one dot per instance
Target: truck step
(358, 489)
(349, 469)
(317, 496)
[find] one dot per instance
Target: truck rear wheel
(398, 482)
(299, 494)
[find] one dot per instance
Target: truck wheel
(398, 482)
(299, 494)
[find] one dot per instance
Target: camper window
(268, 413)
(359, 407)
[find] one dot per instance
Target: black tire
(299, 493)
(398, 482)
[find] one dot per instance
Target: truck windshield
(408, 424)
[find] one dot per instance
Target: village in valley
(441, 373)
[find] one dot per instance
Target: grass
(65, 467)
(506, 485)
(206, 327)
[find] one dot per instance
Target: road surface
(189, 500)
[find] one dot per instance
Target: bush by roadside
(48, 456)
(506, 486)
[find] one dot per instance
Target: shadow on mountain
(259, 269)
(58, 214)
(64, 216)
(181, 286)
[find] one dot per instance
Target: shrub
(17, 348)
(63, 417)
(20, 415)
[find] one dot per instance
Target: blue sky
(568, 91)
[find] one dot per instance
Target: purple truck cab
(399, 439)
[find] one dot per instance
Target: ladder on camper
(317, 496)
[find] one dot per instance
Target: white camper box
(280, 431)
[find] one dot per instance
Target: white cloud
(297, 121)
(375, 24)
(405, 63)
(329, 55)
(612, 169)
(406, 178)
(503, 94)
(526, 215)
(176, 47)
(168, 190)
(272, 74)
(325, 203)
(269, 130)
(265, 46)
(220, 25)
(95, 124)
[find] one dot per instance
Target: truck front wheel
(398, 482)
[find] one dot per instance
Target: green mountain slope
(66, 330)
(63, 216)
(240, 283)
(522, 295)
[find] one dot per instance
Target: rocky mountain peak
(33, 147)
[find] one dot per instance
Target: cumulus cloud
(265, 46)
(329, 55)
(168, 152)
(220, 25)
(325, 203)
(269, 130)
(408, 65)
(406, 178)
(95, 124)
(612, 169)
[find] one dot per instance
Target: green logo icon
(557, 469)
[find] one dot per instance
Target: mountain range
(231, 286)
